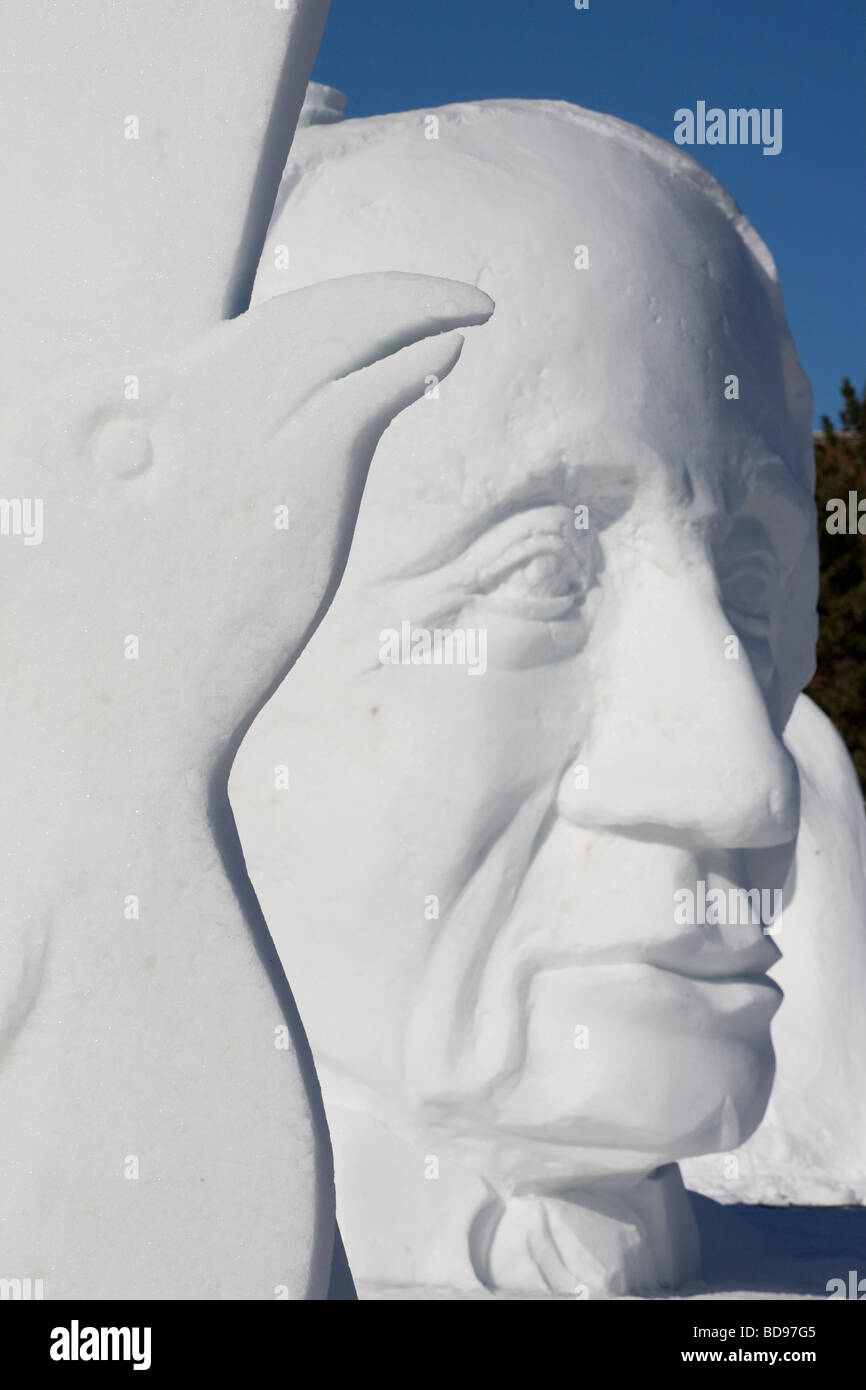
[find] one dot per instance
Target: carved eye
(544, 580)
(544, 577)
(749, 593)
(123, 447)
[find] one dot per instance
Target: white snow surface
(197, 482)
(142, 149)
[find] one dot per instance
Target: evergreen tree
(839, 686)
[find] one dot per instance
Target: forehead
(599, 368)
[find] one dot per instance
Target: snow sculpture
(540, 728)
(180, 495)
(810, 1148)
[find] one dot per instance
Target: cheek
(447, 757)
(398, 788)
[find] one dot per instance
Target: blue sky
(641, 59)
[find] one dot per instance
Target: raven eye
(123, 447)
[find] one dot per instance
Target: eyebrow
(569, 478)
(608, 489)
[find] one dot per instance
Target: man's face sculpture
(472, 875)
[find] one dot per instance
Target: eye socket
(543, 575)
(749, 593)
(123, 446)
(544, 586)
(526, 580)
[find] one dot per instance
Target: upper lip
(693, 953)
(697, 955)
(636, 923)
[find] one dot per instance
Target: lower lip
(730, 995)
(741, 1000)
(746, 997)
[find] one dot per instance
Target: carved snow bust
(472, 882)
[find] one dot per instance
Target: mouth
(744, 1000)
(698, 956)
(694, 913)
(743, 955)
(719, 980)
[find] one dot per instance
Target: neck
(430, 1222)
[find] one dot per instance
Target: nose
(680, 740)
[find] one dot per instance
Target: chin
(740, 1089)
(669, 1098)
